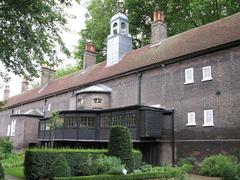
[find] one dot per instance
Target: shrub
(1, 171)
(188, 160)
(219, 166)
(38, 161)
(146, 168)
(188, 168)
(60, 167)
(137, 157)
(13, 160)
(120, 145)
(108, 165)
(164, 173)
(6, 145)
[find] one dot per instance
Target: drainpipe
(139, 87)
(173, 139)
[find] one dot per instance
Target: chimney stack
(25, 84)
(47, 75)
(89, 58)
(158, 28)
(6, 92)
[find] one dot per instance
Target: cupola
(119, 42)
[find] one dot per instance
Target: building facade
(179, 96)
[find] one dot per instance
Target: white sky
(70, 38)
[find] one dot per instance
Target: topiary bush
(1, 171)
(120, 145)
(219, 166)
(60, 167)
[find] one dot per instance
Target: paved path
(12, 178)
(197, 177)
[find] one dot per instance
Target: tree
(181, 15)
(120, 145)
(67, 70)
(30, 34)
(55, 121)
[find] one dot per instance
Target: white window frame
(206, 76)
(191, 119)
(49, 107)
(208, 118)
(9, 130)
(189, 80)
(13, 127)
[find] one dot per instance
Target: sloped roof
(214, 34)
(96, 88)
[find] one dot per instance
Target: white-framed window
(13, 127)
(207, 73)
(191, 119)
(49, 107)
(208, 117)
(189, 77)
(9, 130)
(18, 111)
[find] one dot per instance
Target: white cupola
(119, 42)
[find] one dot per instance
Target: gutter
(137, 70)
(173, 139)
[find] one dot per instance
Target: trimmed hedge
(177, 174)
(38, 161)
(60, 167)
(120, 145)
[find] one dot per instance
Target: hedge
(38, 161)
(139, 176)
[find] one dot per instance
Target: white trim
(189, 116)
(208, 116)
(206, 73)
(49, 107)
(9, 130)
(13, 127)
(189, 76)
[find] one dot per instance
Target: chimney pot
(89, 58)
(158, 27)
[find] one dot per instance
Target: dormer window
(97, 100)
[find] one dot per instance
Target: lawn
(15, 171)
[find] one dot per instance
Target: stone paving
(197, 177)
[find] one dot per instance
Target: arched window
(115, 28)
(123, 28)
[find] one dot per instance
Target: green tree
(30, 34)
(120, 145)
(181, 15)
(55, 121)
(67, 70)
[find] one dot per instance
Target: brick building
(179, 95)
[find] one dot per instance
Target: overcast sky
(70, 38)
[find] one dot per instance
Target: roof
(209, 36)
(96, 88)
(119, 15)
(31, 113)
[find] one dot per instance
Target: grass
(15, 172)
